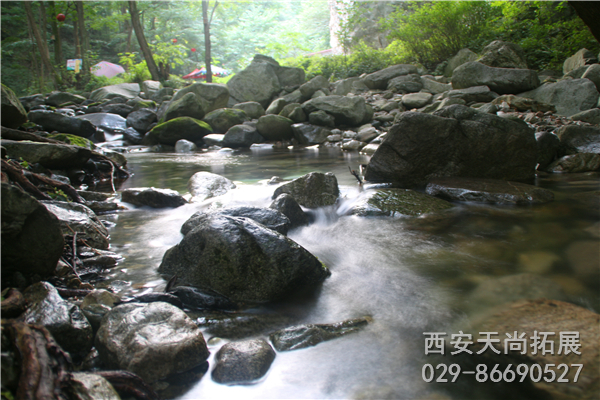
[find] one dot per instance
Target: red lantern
(193, 49)
(174, 41)
(60, 17)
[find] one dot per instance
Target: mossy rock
(74, 140)
(396, 202)
(144, 104)
(171, 131)
(224, 118)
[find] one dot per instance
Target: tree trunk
(42, 48)
(76, 39)
(127, 28)
(85, 67)
(36, 69)
(207, 45)
(589, 12)
(139, 33)
(58, 57)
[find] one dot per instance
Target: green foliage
(96, 82)
(58, 194)
(23, 163)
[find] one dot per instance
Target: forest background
(365, 36)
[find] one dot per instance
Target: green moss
(74, 140)
(144, 104)
(175, 129)
(391, 202)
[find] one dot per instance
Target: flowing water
(410, 275)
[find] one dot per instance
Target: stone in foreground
(243, 362)
(152, 197)
(151, 340)
(312, 190)
(204, 185)
(268, 217)
(488, 191)
(242, 260)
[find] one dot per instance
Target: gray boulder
(133, 136)
(242, 260)
(211, 95)
(503, 55)
(64, 320)
(579, 59)
(478, 94)
(59, 98)
(312, 190)
(185, 146)
(268, 217)
(28, 102)
(257, 82)
(523, 103)
(454, 141)
(204, 185)
(294, 112)
(434, 86)
(591, 116)
(352, 111)
(122, 110)
(462, 57)
(125, 90)
(290, 76)
(187, 105)
(162, 341)
(141, 120)
(88, 386)
(593, 74)
(242, 136)
(179, 128)
(108, 122)
(308, 134)
(580, 162)
(308, 89)
(243, 362)
(222, 119)
(276, 106)
(343, 86)
(288, 206)
(57, 122)
(549, 149)
(570, 96)
(380, 79)
(152, 197)
(81, 219)
(487, 191)
(397, 202)
(321, 118)
(253, 109)
(32, 240)
(50, 155)
(500, 80)
(151, 88)
(405, 84)
(580, 139)
(302, 336)
(416, 100)
(275, 127)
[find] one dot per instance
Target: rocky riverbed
(438, 151)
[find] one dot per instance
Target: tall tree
(58, 57)
(83, 39)
(139, 33)
(207, 45)
(42, 48)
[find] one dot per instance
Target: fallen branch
(13, 305)
(14, 134)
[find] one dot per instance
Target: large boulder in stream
(197, 100)
(500, 80)
(108, 122)
(569, 96)
(151, 340)
(32, 240)
(312, 190)
(353, 111)
(580, 139)
(204, 185)
(222, 119)
(397, 202)
(243, 362)
(242, 136)
(454, 141)
(268, 217)
(51, 121)
(380, 79)
(242, 260)
(153, 197)
(179, 128)
(124, 90)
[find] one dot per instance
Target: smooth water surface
(411, 275)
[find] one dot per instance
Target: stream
(410, 275)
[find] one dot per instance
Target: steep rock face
(500, 80)
(242, 260)
(454, 141)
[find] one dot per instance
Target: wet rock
(32, 240)
(275, 127)
(590, 116)
(243, 362)
(179, 128)
(288, 206)
(153, 197)
(185, 146)
(204, 185)
(57, 122)
(370, 149)
(549, 149)
(503, 55)
(321, 118)
(294, 112)
(481, 94)
(64, 320)
(242, 260)
(141, 120)
(352, 145)
(214, 139)
(122, 110)
(496, 291)
(196, 299)
(162, 341)
(581, 162)
(312, 190)
(50, 155)
(593, 74)
(569, 96)
(380, 79)
(549, 316)
(102, 297)
(125, 90)
(87, 386)
(416, 100)
(396, 202)
(583, 259)
(222, 119)
(352, 111)
(242, 325)
(29, 102)
(308, 134)
(253, 109)
(580, 139)
(268, 217)
(463, 56)
(302, 336)
(94, 314)
(81, 219)
(13, 112)
(488, 191)
(500, 80)
(132, 136)
(454, 141)
(108, 122)
(242, 136)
